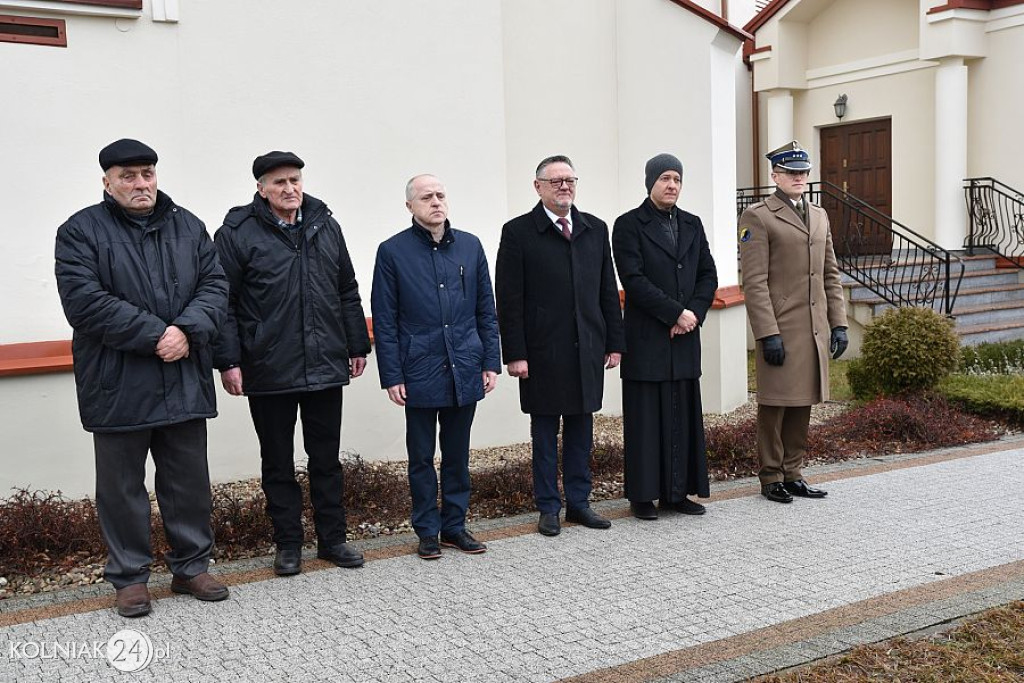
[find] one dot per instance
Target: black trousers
(182, 491)
(577, 442)
(274, 419)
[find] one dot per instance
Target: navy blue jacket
(434, 324)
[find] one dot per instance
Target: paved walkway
(900, 544)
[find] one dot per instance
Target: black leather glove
(772, 349)
(839, 341)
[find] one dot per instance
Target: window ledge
(35, 358)
(118, 9)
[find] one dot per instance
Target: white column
(950, 152)
(780, 127)
(723, 351)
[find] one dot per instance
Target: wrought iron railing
(896, 263)
(996, 214)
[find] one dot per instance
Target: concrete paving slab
(588, 604)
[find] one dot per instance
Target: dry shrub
(732, 449)
(39, 528)
(373, 493)
(890, 425)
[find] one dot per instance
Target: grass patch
(985, 649)
(998, 397)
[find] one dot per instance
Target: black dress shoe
(341, 554)
(776, 492)
(800, 488)
(644, 510)
(688, 507)
(588, 518)
(548, 524)
(464, 541)
(428, 549)
(288, 561)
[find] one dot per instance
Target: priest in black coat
(669, 276)
(561, 327)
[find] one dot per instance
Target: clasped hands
(686, 323)
(172, 345)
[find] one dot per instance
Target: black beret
(272, 160)
(126, 152)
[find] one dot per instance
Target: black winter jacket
(294, 312)
(121, 286)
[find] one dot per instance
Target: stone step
(968, 298)
(971, 335)
(971, 281)
(911, 268)
(991, 314)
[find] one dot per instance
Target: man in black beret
(296, 333)
(140, 284)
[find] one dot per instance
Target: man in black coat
(295, 334)
(561, 327)
(140, 284)
(669, 276)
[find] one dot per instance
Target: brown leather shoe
(202, 587)
(133, 600)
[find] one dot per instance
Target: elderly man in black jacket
(669, 277)
(140, 284)
(295, 334)
(561, 327)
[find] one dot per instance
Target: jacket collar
(542, 222)
(422, 233)
(779, 204)
(160, 209)
(649, 216)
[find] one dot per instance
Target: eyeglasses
(557, 182)
(795, 174)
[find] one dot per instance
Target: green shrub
(907, 351)
(862, 381)
(1000, 397)
(1000, 358)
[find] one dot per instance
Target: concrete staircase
(989, 307)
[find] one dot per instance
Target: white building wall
(476, 91)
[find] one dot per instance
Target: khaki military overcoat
(791, 286)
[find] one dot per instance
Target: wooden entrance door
(857, 158)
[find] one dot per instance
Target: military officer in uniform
(795, 304)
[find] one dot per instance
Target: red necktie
(565, 228)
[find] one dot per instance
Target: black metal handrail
(996, 213)
(899, 265)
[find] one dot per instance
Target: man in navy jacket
(436, 335)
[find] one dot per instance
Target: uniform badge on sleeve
(744, 234)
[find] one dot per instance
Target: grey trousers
(182, 492)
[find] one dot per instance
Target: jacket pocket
(111, 368)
